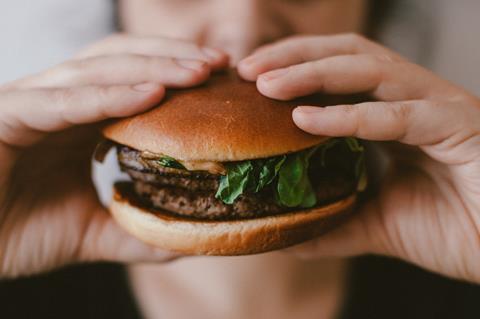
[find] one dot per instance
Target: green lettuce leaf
(360, 168)
(294, 188)
(250, 176)
(269, 171)
(233, 184)
(287, 173)
(168, 161)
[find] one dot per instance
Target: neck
(274, 285)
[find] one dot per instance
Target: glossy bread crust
(226, 119)
(238, 237)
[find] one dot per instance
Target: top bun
(226, 119)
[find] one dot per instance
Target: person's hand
(428, 207)
(49, 212)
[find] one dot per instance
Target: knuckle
(302, 43)
(377, 64)
(102, 93)
(291, 42)
(357, 42)
(383, 58)
(315, 69)
(353, 113)
(373, 59)
(401, 114)
(401, 111)
(103, 97)
(61, 97)
(354, 37)
(349, 110)
(61, 100)
(73, 70)
(173, 62)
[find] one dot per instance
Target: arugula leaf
(294, 187)
(325, 147)
(269, 171)
(235, 182)
(287, 173)
(251, 176)
(168, 161)
(360, 167)
(361, 174)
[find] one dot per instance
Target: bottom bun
(223, 238)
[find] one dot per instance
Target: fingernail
(191, 64)
(146, 87)
(272, 75)
(308, 109)
(247, 61)
(212, 53)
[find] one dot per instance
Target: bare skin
(428, 209)
(426, 213)
(423, 215)
(50, 215)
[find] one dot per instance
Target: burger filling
(246, 189)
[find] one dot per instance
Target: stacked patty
(192, 193)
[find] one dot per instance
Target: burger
(220, 169)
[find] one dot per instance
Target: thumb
(361, 234)
(104, 240)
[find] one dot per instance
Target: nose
(238, 27)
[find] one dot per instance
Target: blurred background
(439, 34)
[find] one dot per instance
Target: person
(426, 211)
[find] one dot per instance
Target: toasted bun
(226, 119)
(240, 237)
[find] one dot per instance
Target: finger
(154, 46)
(345, 241)
(302, 49)
(26, 115)
(378, 75)
(364, 233)
(121, 70)
(104, 240)
(410, 122)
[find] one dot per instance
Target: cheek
(325, 17)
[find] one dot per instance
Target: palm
(51, 202)
(53, 216)
(421, 216)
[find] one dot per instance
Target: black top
(379, 288)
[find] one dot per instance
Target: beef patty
(192, 193)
